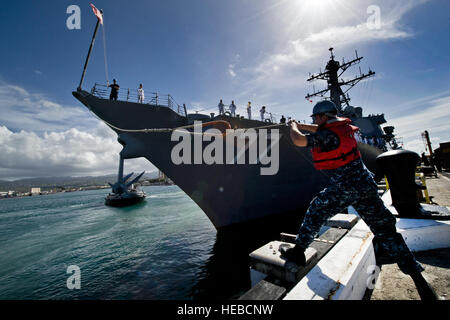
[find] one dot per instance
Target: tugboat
(123, 192)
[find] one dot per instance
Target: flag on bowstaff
(97, 13)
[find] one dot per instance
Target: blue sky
(201, 51)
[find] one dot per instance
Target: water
(152, 250)
(163, 248)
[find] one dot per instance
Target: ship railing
(131, 95)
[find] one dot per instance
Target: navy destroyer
(234, 193)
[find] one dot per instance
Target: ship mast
(99, 14)
(333, 71)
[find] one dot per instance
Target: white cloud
(301, 51)
(35, 112)
(306, 31)
(50, 139)
(434, 117)
(304, 49)
(68, 153)
(232, 66)
(231, 70)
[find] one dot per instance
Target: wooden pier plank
(264, 290)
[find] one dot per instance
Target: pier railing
(131, 95)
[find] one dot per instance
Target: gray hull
(229, 194)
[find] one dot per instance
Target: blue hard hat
(325, 106)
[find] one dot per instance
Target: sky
(201, 51)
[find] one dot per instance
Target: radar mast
(333, 71)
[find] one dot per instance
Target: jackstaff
(99, 15)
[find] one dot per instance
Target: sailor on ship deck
(141, 96)
(233, 109)
(114, 90)
(221, 107)
(262, 112)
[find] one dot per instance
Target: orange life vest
(345, 153)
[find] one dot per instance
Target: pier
(392, 284)
(341, 261)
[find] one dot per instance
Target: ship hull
(229, 194)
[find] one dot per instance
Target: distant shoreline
(75, 189)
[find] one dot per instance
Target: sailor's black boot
(295, 254)
(408, 265)
(426, 292)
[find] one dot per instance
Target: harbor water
(163, 248)
(153, 250)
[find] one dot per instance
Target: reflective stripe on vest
(345, 153)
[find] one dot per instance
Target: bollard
(399, 168)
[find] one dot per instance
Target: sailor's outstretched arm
(298, 138)
(307, 127)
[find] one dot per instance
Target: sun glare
(315, 4)
(309, 16)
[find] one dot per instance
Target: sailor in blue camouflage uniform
(351, 183)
